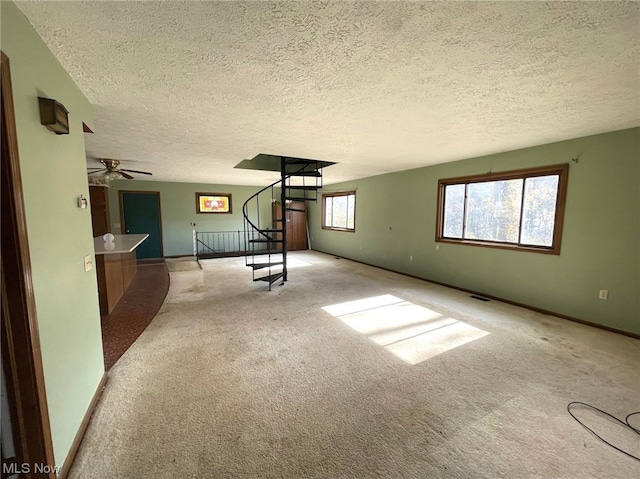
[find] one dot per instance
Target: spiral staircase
(266, 236)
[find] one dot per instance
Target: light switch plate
(88, 263)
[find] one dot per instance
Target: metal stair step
(299, 198)
(271, 231)
(265, 240)
(302, 187)
(256, 266)
(272, 278)
(317, 174)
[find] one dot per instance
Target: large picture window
(339, 211)
(517, 210)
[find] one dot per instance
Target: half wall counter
(116, 266)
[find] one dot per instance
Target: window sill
(339, 229)
(507, 246)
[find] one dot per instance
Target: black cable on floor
(626, 419)
(624, 423)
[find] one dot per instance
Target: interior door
(99, 198)
(296, 225)
(141, 215)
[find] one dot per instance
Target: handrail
(205, 244)
(219, 242)
(266, 235)
(245, 206)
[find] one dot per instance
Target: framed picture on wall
(213, 203)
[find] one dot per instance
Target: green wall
(396, 216)
(178, 210)
(53, 175)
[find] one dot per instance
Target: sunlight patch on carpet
(412, 333)
(296, 263)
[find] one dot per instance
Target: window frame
(324, 205)
(561, 170)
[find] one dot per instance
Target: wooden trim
(77, 440)
(344, 230)
(506, 175)
(496, 298)
(123, 226)
(561, 201)
(561, 170)
(332, 195)
(498, 245)
(440, 211)
(21, 354)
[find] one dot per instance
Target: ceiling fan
(112, 172)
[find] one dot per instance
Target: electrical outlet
(411, 258)
(88, 263)
(604, 294)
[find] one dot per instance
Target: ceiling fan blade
(139, 172)
(97, 171)
(126, 175)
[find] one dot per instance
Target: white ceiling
(189, 89)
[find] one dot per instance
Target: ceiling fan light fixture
(111, 172)
(98, 181)
(111, 175)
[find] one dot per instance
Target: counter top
(120, 244)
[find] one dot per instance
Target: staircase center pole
(283, 205)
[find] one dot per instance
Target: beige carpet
(349, 371)
(188, 263)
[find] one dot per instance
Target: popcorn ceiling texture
(188, 89)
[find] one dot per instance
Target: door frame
(122, 224)
(21, 353)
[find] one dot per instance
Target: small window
(516, 210)
(339, 211)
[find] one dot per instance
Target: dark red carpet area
(134, 312)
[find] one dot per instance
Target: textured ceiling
(189, 89)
